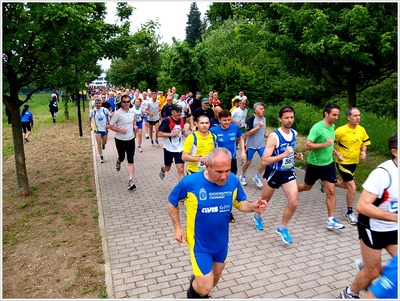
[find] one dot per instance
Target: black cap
(198, 92)
(176, 107)
(26, 106)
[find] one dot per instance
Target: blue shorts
(202, 263)
(251, 151)
(139, 124)
(103, 133)
(275, 178)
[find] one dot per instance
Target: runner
(172, 130)
(101, 118)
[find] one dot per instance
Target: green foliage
(182, 67)
(143, 60)
(381, 99)
(343, 46)
(194, 26)
(217, 13)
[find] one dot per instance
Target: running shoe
(140, 149)
(321, 186)
(258, 222)
(103, 146)
(258, 181)
(242, 179)
(101, 159)
(131, 185)
(118, 166)
(359, 263)
(146, 136)
(284, 234)
(345, 295)
(158, 144)
(188, 292)
(26, 139)
(232, 219)
(162, 173)
(351, 219)
(152, 143)
(334, 224)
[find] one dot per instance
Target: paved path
(144, 261)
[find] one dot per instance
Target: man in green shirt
(320, 163)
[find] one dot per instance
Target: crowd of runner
(194, 127)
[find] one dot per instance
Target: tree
(42, 42)
(343, 46)
(182, 67)
(143, 60)
(194, 26)
(218, 12)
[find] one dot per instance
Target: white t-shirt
(377, 182)
(239, 115)
(123, 119)
(183, 104)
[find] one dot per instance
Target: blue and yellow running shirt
(208, 207)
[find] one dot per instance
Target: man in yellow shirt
(352, 141)
(162, 100)
(198, 146)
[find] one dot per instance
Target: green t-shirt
(318, 134)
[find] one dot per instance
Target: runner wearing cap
(172, 130)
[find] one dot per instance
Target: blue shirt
(387, 285)
(27, 117)
(208, 207)
(286, 163)
(227, 138)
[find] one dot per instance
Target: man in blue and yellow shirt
(210, 196)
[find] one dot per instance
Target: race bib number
(288, 162)
(201, 165)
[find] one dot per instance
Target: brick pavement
(144, 261)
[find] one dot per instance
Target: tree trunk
(351, 95)
(19, 152)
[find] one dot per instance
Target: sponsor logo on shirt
(219, 195)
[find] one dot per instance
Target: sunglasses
(125, 101)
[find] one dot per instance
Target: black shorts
(325, 173)
(376, 240)
(346, 171)
(234, 166)
(170, 157)
(26, 126)
(153, 122)
(275, 178)
(127, 147)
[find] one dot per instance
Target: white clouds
(172, 16)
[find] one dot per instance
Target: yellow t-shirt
(349, 142)
(202, 147)
(162, 100)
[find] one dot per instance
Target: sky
(172, 16)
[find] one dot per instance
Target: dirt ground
(51, 240)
